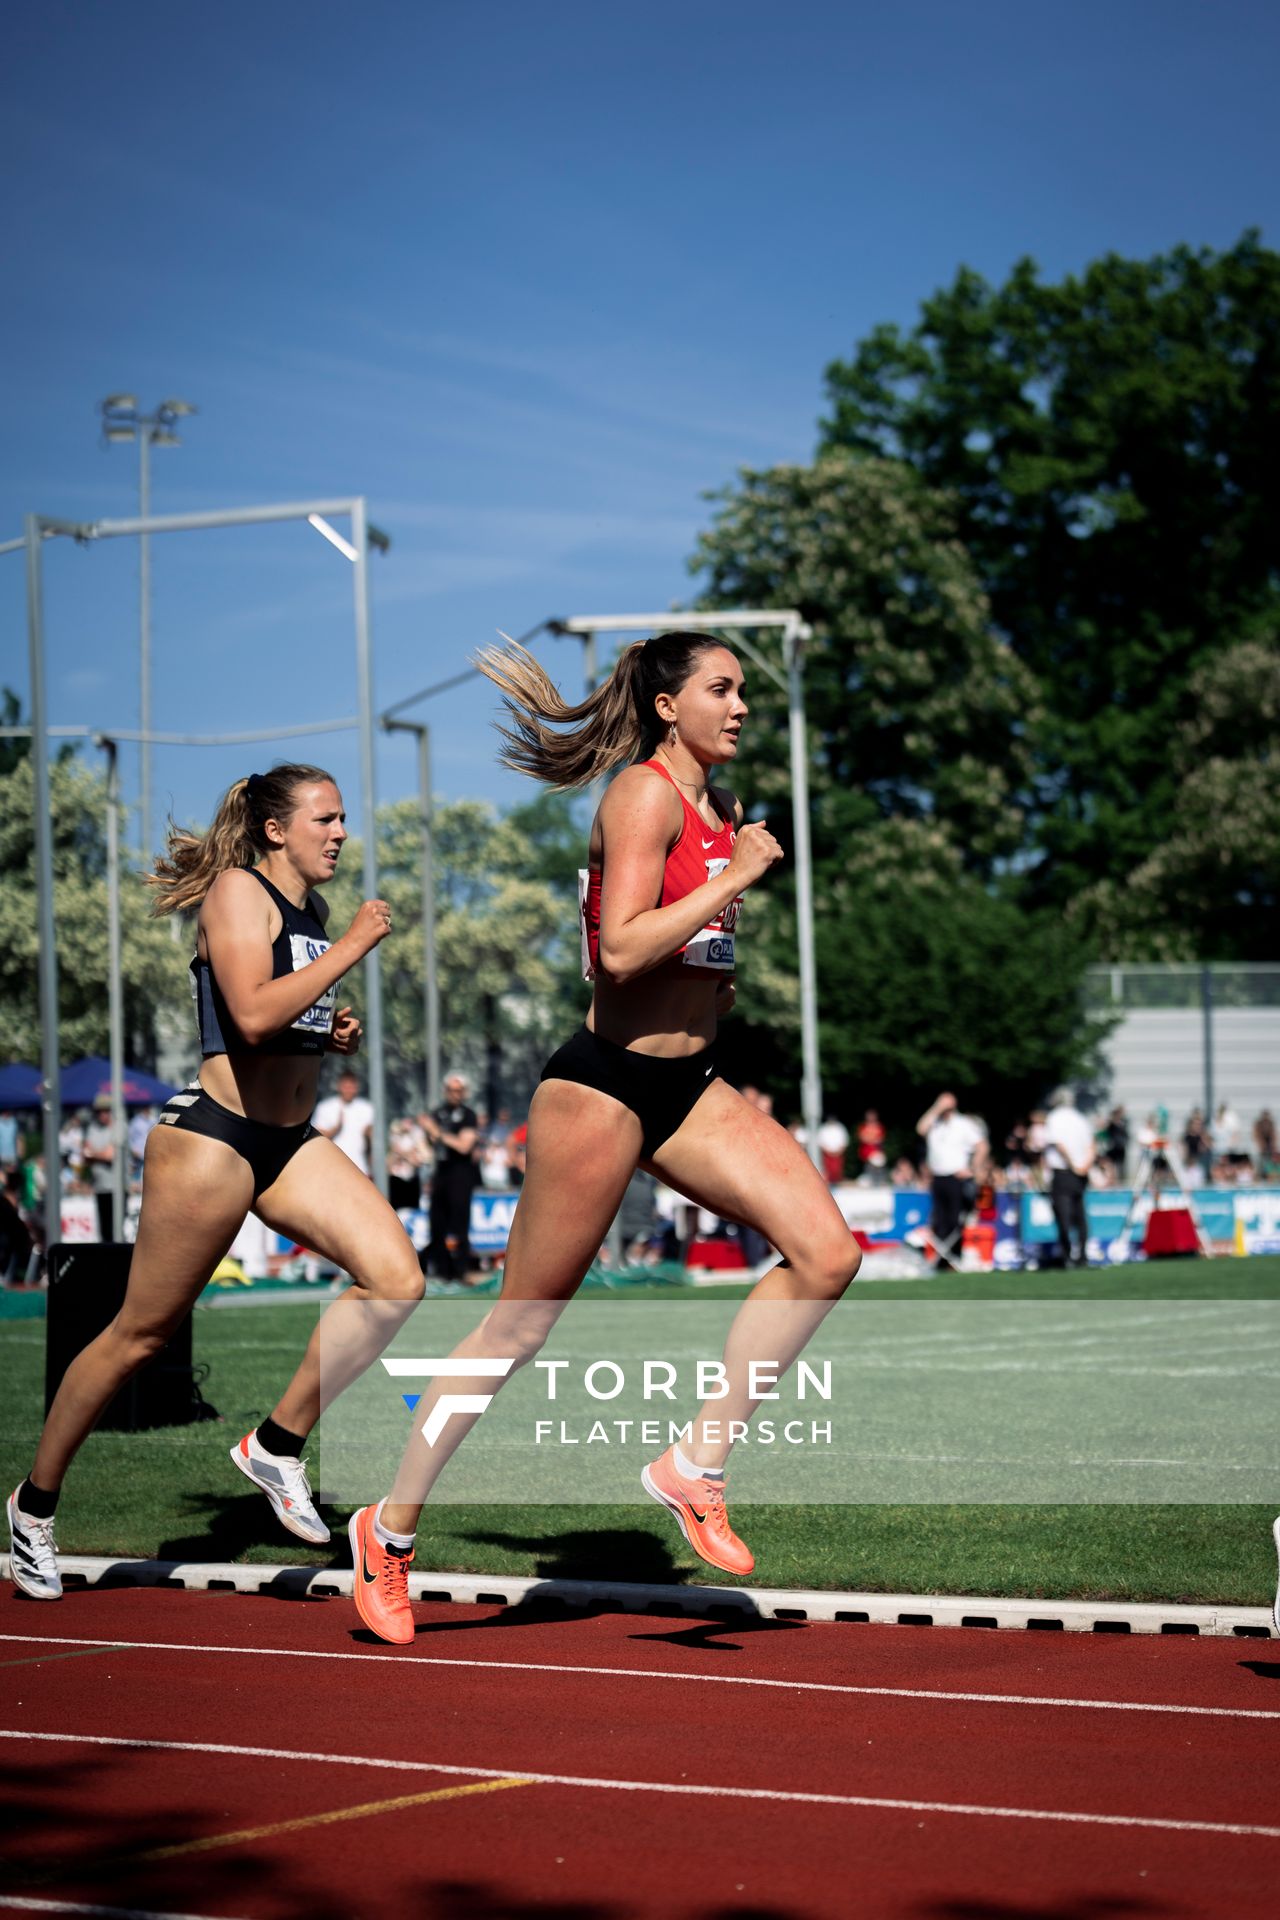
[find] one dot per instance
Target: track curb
(620, 1596)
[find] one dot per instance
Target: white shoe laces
(43, 1545)
(296, 1482)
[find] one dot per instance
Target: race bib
(317, 1018)
(713, 947)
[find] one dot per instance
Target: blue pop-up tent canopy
(88, 1080)
(19, 1087)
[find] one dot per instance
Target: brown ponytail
(236, 837)
(617, 724)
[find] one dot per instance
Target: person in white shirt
(833, 1144)
(956, 1153)
(1069, 1153)
(347, 1118)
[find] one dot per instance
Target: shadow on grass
(230, 1525)
(592, 1553)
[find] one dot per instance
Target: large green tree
(153, 965)
(1212, 884)
(1109, 446)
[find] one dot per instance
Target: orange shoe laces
(717, 1517)
(395, 1578)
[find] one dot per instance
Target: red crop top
(700, 853)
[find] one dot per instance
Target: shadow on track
(78, 1831)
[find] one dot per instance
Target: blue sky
(531, 278)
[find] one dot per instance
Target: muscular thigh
(324, 1202)
(740, 1164)
(195, 1195)
(583, 1148)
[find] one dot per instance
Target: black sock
(36, 1502)
(279, 1440)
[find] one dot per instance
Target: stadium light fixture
(122, 421)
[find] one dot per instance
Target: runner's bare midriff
(660, 1013)
(278, 1089)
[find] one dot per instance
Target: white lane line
(658, 1673)
(780, 1794)
(115, 1913)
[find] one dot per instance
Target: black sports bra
(301, 940)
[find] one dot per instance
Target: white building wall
(1156, 1055)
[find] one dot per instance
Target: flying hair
(613, 726)
(236, 836)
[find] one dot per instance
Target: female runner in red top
(670, 860)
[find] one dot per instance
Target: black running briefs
(267, 1150)
(661, 1093)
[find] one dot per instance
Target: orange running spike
(381, 1582)
(699, 1508)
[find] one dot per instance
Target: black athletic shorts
(268, 1150)
(661, 1093)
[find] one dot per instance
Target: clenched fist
(754, 851)
(347, 1032)
(372, 923)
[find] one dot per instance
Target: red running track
(616, 1767)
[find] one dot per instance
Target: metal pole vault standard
(38, 528)
(795, 631)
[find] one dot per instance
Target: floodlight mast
(795, 632)
(37, 528)
(122, 421)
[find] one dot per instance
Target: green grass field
(172, 1493)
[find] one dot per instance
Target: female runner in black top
(265, 979)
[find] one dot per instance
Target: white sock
(384, 1536)
(688, 1471)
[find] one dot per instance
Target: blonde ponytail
(236, 836)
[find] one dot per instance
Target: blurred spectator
(957, 1158)
(1225, 1132)
(1197, 1152)
(1016, 1172)
(833, 1144)
(517, 1148)
(139, 1128)
(637, 1220)
(1068, 1157)
(1034, 1150)
(1152, 1142)
(71, 1142)
(905, 1173)
(492, 1149)
(347, 1118)
(871, 1140)
(1114, 1147)
(452, 1129)
(99, 1153)
(10, 1142)
(406, 1157)
(15, 1234)
(1264, 1143)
